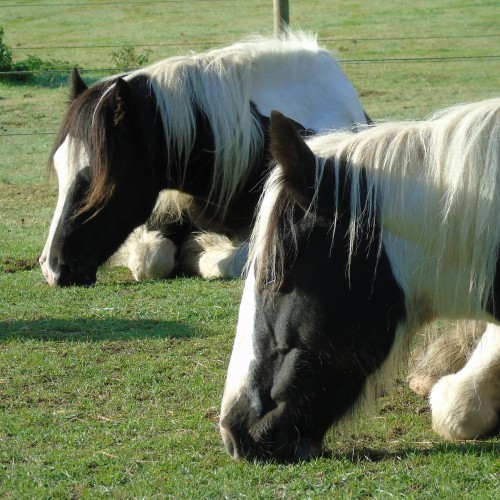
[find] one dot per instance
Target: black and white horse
(360, 240)
(192, 128)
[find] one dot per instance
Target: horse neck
(438, 206)
(193, 172)
(439, 277)
(199, 177)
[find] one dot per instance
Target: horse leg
(447, 354)
(212, 255)
(147, 253)
(150, 251)
(466, 405)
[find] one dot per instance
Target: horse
(193, 128)
(360, 240)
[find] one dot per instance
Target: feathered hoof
(154, 260)
(211, 255)
(459, 412)
(148, 254)
(445, 355)
(421, 385)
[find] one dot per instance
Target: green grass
(115, 390)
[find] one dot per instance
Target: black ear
(77, 85)
(297, 160)
(120, 101)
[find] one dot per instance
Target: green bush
(5, 55)
(23, 70)
(126, 58)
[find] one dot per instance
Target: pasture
(115, 389)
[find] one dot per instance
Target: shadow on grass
(94, 330)
(363, 455)
(489, 444)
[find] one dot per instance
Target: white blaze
(243, 351)
(66, 173)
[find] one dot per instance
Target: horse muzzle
(59, 274)
(274, 436)
(296, 450)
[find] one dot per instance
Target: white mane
(290, 73)
(221, 83)
(434, 185)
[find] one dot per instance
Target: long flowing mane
(432, 184)
(219, 83)
(224, 88)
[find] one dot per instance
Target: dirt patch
(13, 266)
(371, 93)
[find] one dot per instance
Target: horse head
(361, 238)
(104, 157)
(310, 331)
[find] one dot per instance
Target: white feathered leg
(466, 405)
(212, 255)
(446, 354)
(148, 254)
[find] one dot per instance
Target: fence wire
(218, 42)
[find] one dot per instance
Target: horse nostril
(64, 276)
(54, 263)
(229, 443)
(236, 419)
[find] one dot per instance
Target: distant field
(115, 389)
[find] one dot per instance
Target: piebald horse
(360, 240)
(182, 142)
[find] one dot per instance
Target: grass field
(115, 390)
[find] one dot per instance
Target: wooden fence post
(281, 15)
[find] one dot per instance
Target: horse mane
(444, 171)
(81, 125)
(219, 83)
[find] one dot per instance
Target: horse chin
(296, 450)
(273, 436)
(78, 276)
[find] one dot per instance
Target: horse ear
(296, 159)
(120, 101)
(77, 84)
